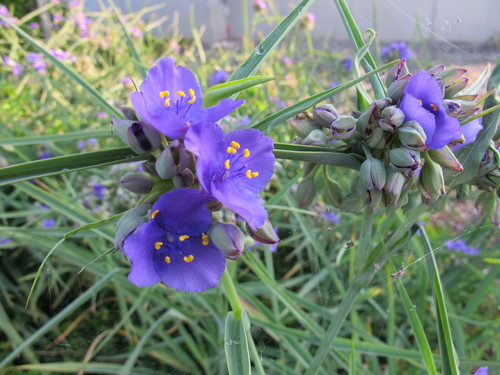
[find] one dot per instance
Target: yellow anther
(254, 174)
(164, 94)
(204, 240)
(181, 93)
(188, 259)
(167, 260)
(158, 245)
(420, 101)
(192, 100)
(235, 144)
(183, 237)
(191, 92)
(154, 213)
(251, 174)
(167, 102)
(231, 150)
(246, 153)
(434, 107)
(226, 164)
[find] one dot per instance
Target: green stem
(365, 235)
(231, 294)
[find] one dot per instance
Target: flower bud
(431, 180)
(306, 192)
(372, 114)
(396, 89)
(265, 234)
(165, 164)
(128, 223)
(392, 118)
(141, 137)
(184, 179)
(343, 128)
(405, 160)
(463, 192)
(352, 202)
(455, 107)
(325, 114)
(413, 136)
(372, 175)
(128, 112)
(303, 126)
(455, 87)
(316, 137)
(492, 208)
(228, 238)
(436, 70)
(394, 182)
(396, 72)
(137, 182)
(214, 205)
(451, 75)
(446, 158)
(149, 166)
(333, 191)
(377, 139)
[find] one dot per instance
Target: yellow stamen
(192, 96)
(167, 260)
(226, 164)
(158, 245)
(204, 240)
(181, 93)
(236, 145)
(167, 102)
(154, 213)
(420, 101)
(188, 259)
(254, 174)
(251, 174)
(246, 153)
(183, 237)
(164, 94)
(434, 107)
(231, 150)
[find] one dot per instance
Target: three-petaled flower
(171, 100)
(173, 246)
(233, 168)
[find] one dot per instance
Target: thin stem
(231, 294)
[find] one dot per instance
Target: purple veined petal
(413, 110)
(247, 204)
(447, 130)
(140, 247)
(194, 268)
(183, 212)
(470, 132)
(482, 371)
(222, 109)
(424, 87)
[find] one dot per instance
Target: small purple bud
(265, 234)
(325, 115)
(229, 239)
(405, 160)
(184, 179)
(306, 192)
(137, 182)
(303, 126)
(372, 175)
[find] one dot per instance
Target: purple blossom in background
(57, 18)
(73, 4)
(245, 121)
(62, 55)
(173, 246)
(482, 371)
(15, 67)
(331, 216)
(286, 60)
(171, 100)
(135, 32)
(260, 5)
(401, 48)
(92, 141)
(126, 81)
(83, 23)
(48, 223)
(310, 20)
(347, 64)
(220, 76)
(4, 11)
(37, 61)
(80, 144)
(233, 168)
(423, 102)
(176, 48)
(101, 114)
(5, 240)
(45, 155)
(470, 132)
(33, 26)
(99, 191)
(57, 2)
(460, 245)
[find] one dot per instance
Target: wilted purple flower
(45, 155)
(99, 191)
(401, 48)
(470, 132)
(331, 216)
(423, 102)
(460, 245)
(173, 246)
(15, 67)
(482, 371)
(48, 223)
(5, 240)
(33, 26)
(171, 100)
(220, 76)
(233, 168)
(135, 32)
(37, 62)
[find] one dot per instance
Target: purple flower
(83, 23)
(470, 132)
(460, 245)
(331, 216)
(45, 155)
(220, 76)
(286, 60)
(15, 67)
(62, 55)
(233, 168)
(4, 11)
(482, 371)
(5, 240)
(170, 100)
(310, 20)
(260, 5)
(80, 144)
(37, 62)
(48, 223)
(423, 102)
(347, 64)
(401, 48)
(173, 246)
(34, 26)
(57, 18)
(99, 191)
(135, 32)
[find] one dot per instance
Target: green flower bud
(141, 137)
(396, 89)
(394, 182)
(377, 139)
(184, 179)
(302, 125)
(265, 234)
(431, 181)
(492, 208)
(137, 182)
(368, 118)
(446, 159)
(405, 160)
(454, 88)
(228, 238)
(352, 202)
(413, 136)
(333, 191)
(149, 166)
(128, 223)
(372, 175)
(165, 164)
(456, 107)
(396, 72)
(343, 128)
(436, 70)
(463, 192)
(392, 118)
(316, 137)
(374, 199)
(129, 113)
(325, 114)
(306, 192)
(449, 76)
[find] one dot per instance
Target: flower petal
(203, 270)
(470, 132)
(139, 247)
(424, 87)
(413, 110)
(447, 130)
(222, 109)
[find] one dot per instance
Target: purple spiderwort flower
(62, 55)
(80, 144)
(4, 11)
(33, 26)
(5, 240)
(482, 371)
(48, 223)
(135, 32)
(57, 18)
(260, 5)
(423, 102)
(219, 76)
(171, 100)
(173, 246)
(347, 64)
(99, 191)
(233, 168)
(45, 155)
(331, 216)
(401, 48)
(470, 132)
(37, 62)
(460, 245)
(15, 67)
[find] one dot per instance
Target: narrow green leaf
(264, 48)
(305, 104)
(321, 157)
(40, 139)
(66, 164)
(236, 345)
(216, 93)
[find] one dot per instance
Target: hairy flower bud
(333, 191)
(377, 139)
(137, 182)
(396, 72)
(372, 175)
(343, 128)
(228, 238)
(369, 117)
(436, 70)
(455, 87)
(306, 192)
(396, 89)
(405, 160)
(392, 118)
(141, 137)
(395, 182)
(265, 234)
(128, 223)
(165, 164)
(325, 114)
(302, 125)
(445, 157)
(431, 181)
(184, 179)
(413, 136)
(455, 107)
(316, 137)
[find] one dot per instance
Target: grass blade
(41, 139)
(216, 93)
(236, 345)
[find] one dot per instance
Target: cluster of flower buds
(404, 140)
(194, 170)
